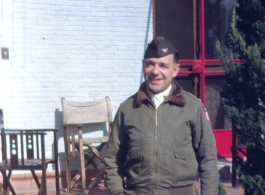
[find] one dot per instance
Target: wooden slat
(89, 161)
(35, 178)
(38, 148)
(56, 162)
(43, 182)
(82, 160)
(95, 151)
(3, 139)
(73, 141)
(68, 141)
(22, 148)
(67, 165)
(29, 144)
(78, 175)
(110, 127)
(94, 182)
(13, 148)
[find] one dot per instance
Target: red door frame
(223, 136)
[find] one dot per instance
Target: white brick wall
(80, 50)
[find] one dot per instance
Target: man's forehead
(162, 59)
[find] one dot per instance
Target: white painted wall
(80, 50)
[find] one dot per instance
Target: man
(158, 134)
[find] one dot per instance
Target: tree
(243, 92)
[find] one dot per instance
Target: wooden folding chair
(25, 150)
(77, 115)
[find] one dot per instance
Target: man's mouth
(154, 80)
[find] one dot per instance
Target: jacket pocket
(185, 164)
(131, 166)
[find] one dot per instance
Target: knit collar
(175, 96)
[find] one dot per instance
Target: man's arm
(205, 148)
(115, 156)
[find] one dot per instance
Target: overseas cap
(160, 47)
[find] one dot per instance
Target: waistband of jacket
(184, 188)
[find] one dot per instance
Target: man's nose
(155, 69)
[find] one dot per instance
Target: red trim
(185, 60)
(202, 35)
(235, 60)
(186, 72)
(214, 72)
(223, 136)
(222, 130)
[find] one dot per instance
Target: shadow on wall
(146, 37)
(89, 130)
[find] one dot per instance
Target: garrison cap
(160, 47)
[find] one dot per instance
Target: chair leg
(6, 182)
(35, 178)
(94, 182)
(43, 186)
(67, 163)
(82, 159)
(89, 161)
(56, 163)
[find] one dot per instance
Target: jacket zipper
(155, 151)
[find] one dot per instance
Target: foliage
(222, 190)
(244, 88)
(196, 190)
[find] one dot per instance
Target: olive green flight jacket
(157, 150)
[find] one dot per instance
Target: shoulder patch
(205, 111)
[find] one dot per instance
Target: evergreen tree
(244, 88)
(221, 189)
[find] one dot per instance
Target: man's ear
(176, 70)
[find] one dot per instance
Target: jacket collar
(175, 96)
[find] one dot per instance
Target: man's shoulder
(129, 102)
(191, 99)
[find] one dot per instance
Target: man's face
(159, 72)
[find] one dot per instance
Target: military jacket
(159, 150)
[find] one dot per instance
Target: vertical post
(5, 182)
(67, 163)
(73, 140)
(56, 161)
(43, 182)
(203, 56)
(37, 142)
(194, 30)
(82, 160)
(22, 147)
(234, 157)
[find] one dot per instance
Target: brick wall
(80, 50)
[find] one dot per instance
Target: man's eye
(148, 64)
(163, 65)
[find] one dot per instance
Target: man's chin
(153, 89)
